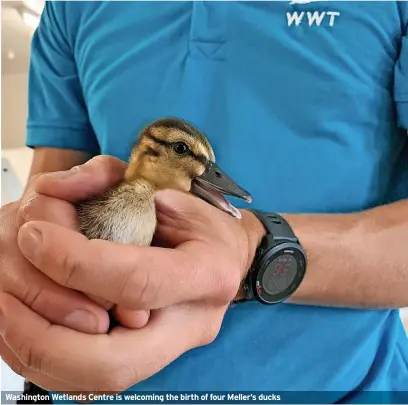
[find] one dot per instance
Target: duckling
(169, 153)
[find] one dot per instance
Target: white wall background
(13, 109)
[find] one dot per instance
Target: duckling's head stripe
(184, 126)
(200, 158)
(181, 125)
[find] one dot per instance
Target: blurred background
(18, 22)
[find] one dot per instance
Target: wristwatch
(279, 265)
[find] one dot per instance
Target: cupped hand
(192, 281)
(19, 278)
(60, 359)
(209, 255)
(77, 184)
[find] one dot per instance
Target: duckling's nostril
(218, 174)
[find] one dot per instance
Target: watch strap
(276, 226)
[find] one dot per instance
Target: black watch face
(279, 274)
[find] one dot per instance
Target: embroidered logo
(311, 18)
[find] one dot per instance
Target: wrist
(255, 232)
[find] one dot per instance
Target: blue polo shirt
(306, 105)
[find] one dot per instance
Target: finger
(11, 360)
(133, 276)
(180, 209)
(182, 217)
(36, 206)
(98, 362)
(59, 305)
(45, 382)
(49, 349)
(62, 306)
(130, 318)
(101, 301)
(82, 182)
(40, 207)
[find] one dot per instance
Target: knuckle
(8, 231)
(127, 289)
(70, 266)
(104, 166)
(103, 159)
(145, 290)
(109, 165)
(17, 367)
(31, 296)
(28, 356)
(138, 290)
(101, 162)
(11, 360)
(28, 209)
(33, 179)
(32, 182)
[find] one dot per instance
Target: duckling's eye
(180, 148)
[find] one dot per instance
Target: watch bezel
(262, 264)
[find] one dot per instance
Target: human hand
(19, 278)
(211, 254)
(208, 247)
(77, 184)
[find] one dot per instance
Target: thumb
(181, 216)
(84, 181)
(181, 206)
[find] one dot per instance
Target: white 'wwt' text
(312, 18)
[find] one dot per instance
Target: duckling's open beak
(211, 186)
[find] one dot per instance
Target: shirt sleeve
(57, 113)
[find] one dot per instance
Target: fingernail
(81, 320)
(29, 242)
(63, 174)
